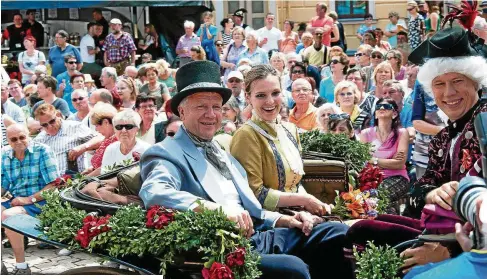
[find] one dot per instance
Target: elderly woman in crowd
(347, 97)
(153, 87)
(278, 62)
(79, 97)
(101, 116)
(20, 158)
(339, 67)
(394, 57)
(390, 145)
(151, 128)
(233, 51)
(366, 100)
(382, 72)
(127, 88)
(265, 145)
(126, 124)
(307, 40)
(167, 76)
(253, 52)
(231, 112)
(323, 115)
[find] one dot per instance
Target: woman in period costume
(269, 149)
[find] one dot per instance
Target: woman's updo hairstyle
(258, 72)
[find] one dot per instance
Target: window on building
(352, 8)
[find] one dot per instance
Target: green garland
(209, 234)
(354, 152)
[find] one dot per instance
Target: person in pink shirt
(322, 20)
(390, 148)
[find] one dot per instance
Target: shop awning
(41, 4)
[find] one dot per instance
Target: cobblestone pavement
(46, 261)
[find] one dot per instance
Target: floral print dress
(415, 31)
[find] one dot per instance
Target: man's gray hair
(110, 72)
(394, 84)
(473, 67)
(188, 24)
(81, 92)
(294, 56)
(127, 115)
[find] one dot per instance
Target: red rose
(92, 226)
(237, 257)
(158, 217)
(217, 271)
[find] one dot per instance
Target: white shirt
(30, 62)
(87, 42)
(113, 155)
(273, 36)
(14, 111)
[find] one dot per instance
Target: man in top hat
(189, 172)
(238, 18)
(119, 48)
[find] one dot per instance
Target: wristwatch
(375, 160)
(33, 199)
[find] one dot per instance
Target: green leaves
(377, 262)
(205, 236)
(354, 152)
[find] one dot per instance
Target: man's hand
(62, 86)
(303, 221)
(19, 201)
(242, 218)
(443, 195)
(76, 152)
(315, 206)
(430, 252)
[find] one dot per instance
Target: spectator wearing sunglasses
(390, 145)
(339, 67)
(127, 125)
(151, 128)
(297, 70)
(317, 54)
(64, 85)
(341, 124)
(376, 57)
(362, 56)
(303, 115)
(27, 169)
(101, 116)
(79, 97)
(368, 25)
(219, 47)
(394, 57)
(69, 140)
(323, 115)
(347, 97)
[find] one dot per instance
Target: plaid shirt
(118, 50)
(70, 135)
(27, 177)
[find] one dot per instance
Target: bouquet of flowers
(366, 201)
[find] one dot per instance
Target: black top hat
(198, 76)
(448, 42)
(240, 12)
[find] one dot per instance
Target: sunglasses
(376, 56)
(51, 122)
(219, 45)
(410, 9)
(71, 62)
(77, 99)
(348, 94)
(126, 126)
(319, 34)
(340, 116)
(170, 134)
(359, 54)
(15, 139)
(390, 58)
(384, 106)
(234, 80)
(297, 72)
(335, 61)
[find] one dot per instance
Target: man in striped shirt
(68, 139)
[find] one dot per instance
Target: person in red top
(15, 33)
(322, 20)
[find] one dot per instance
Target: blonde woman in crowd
(347, 97)
(167, 76)
(127, 88)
